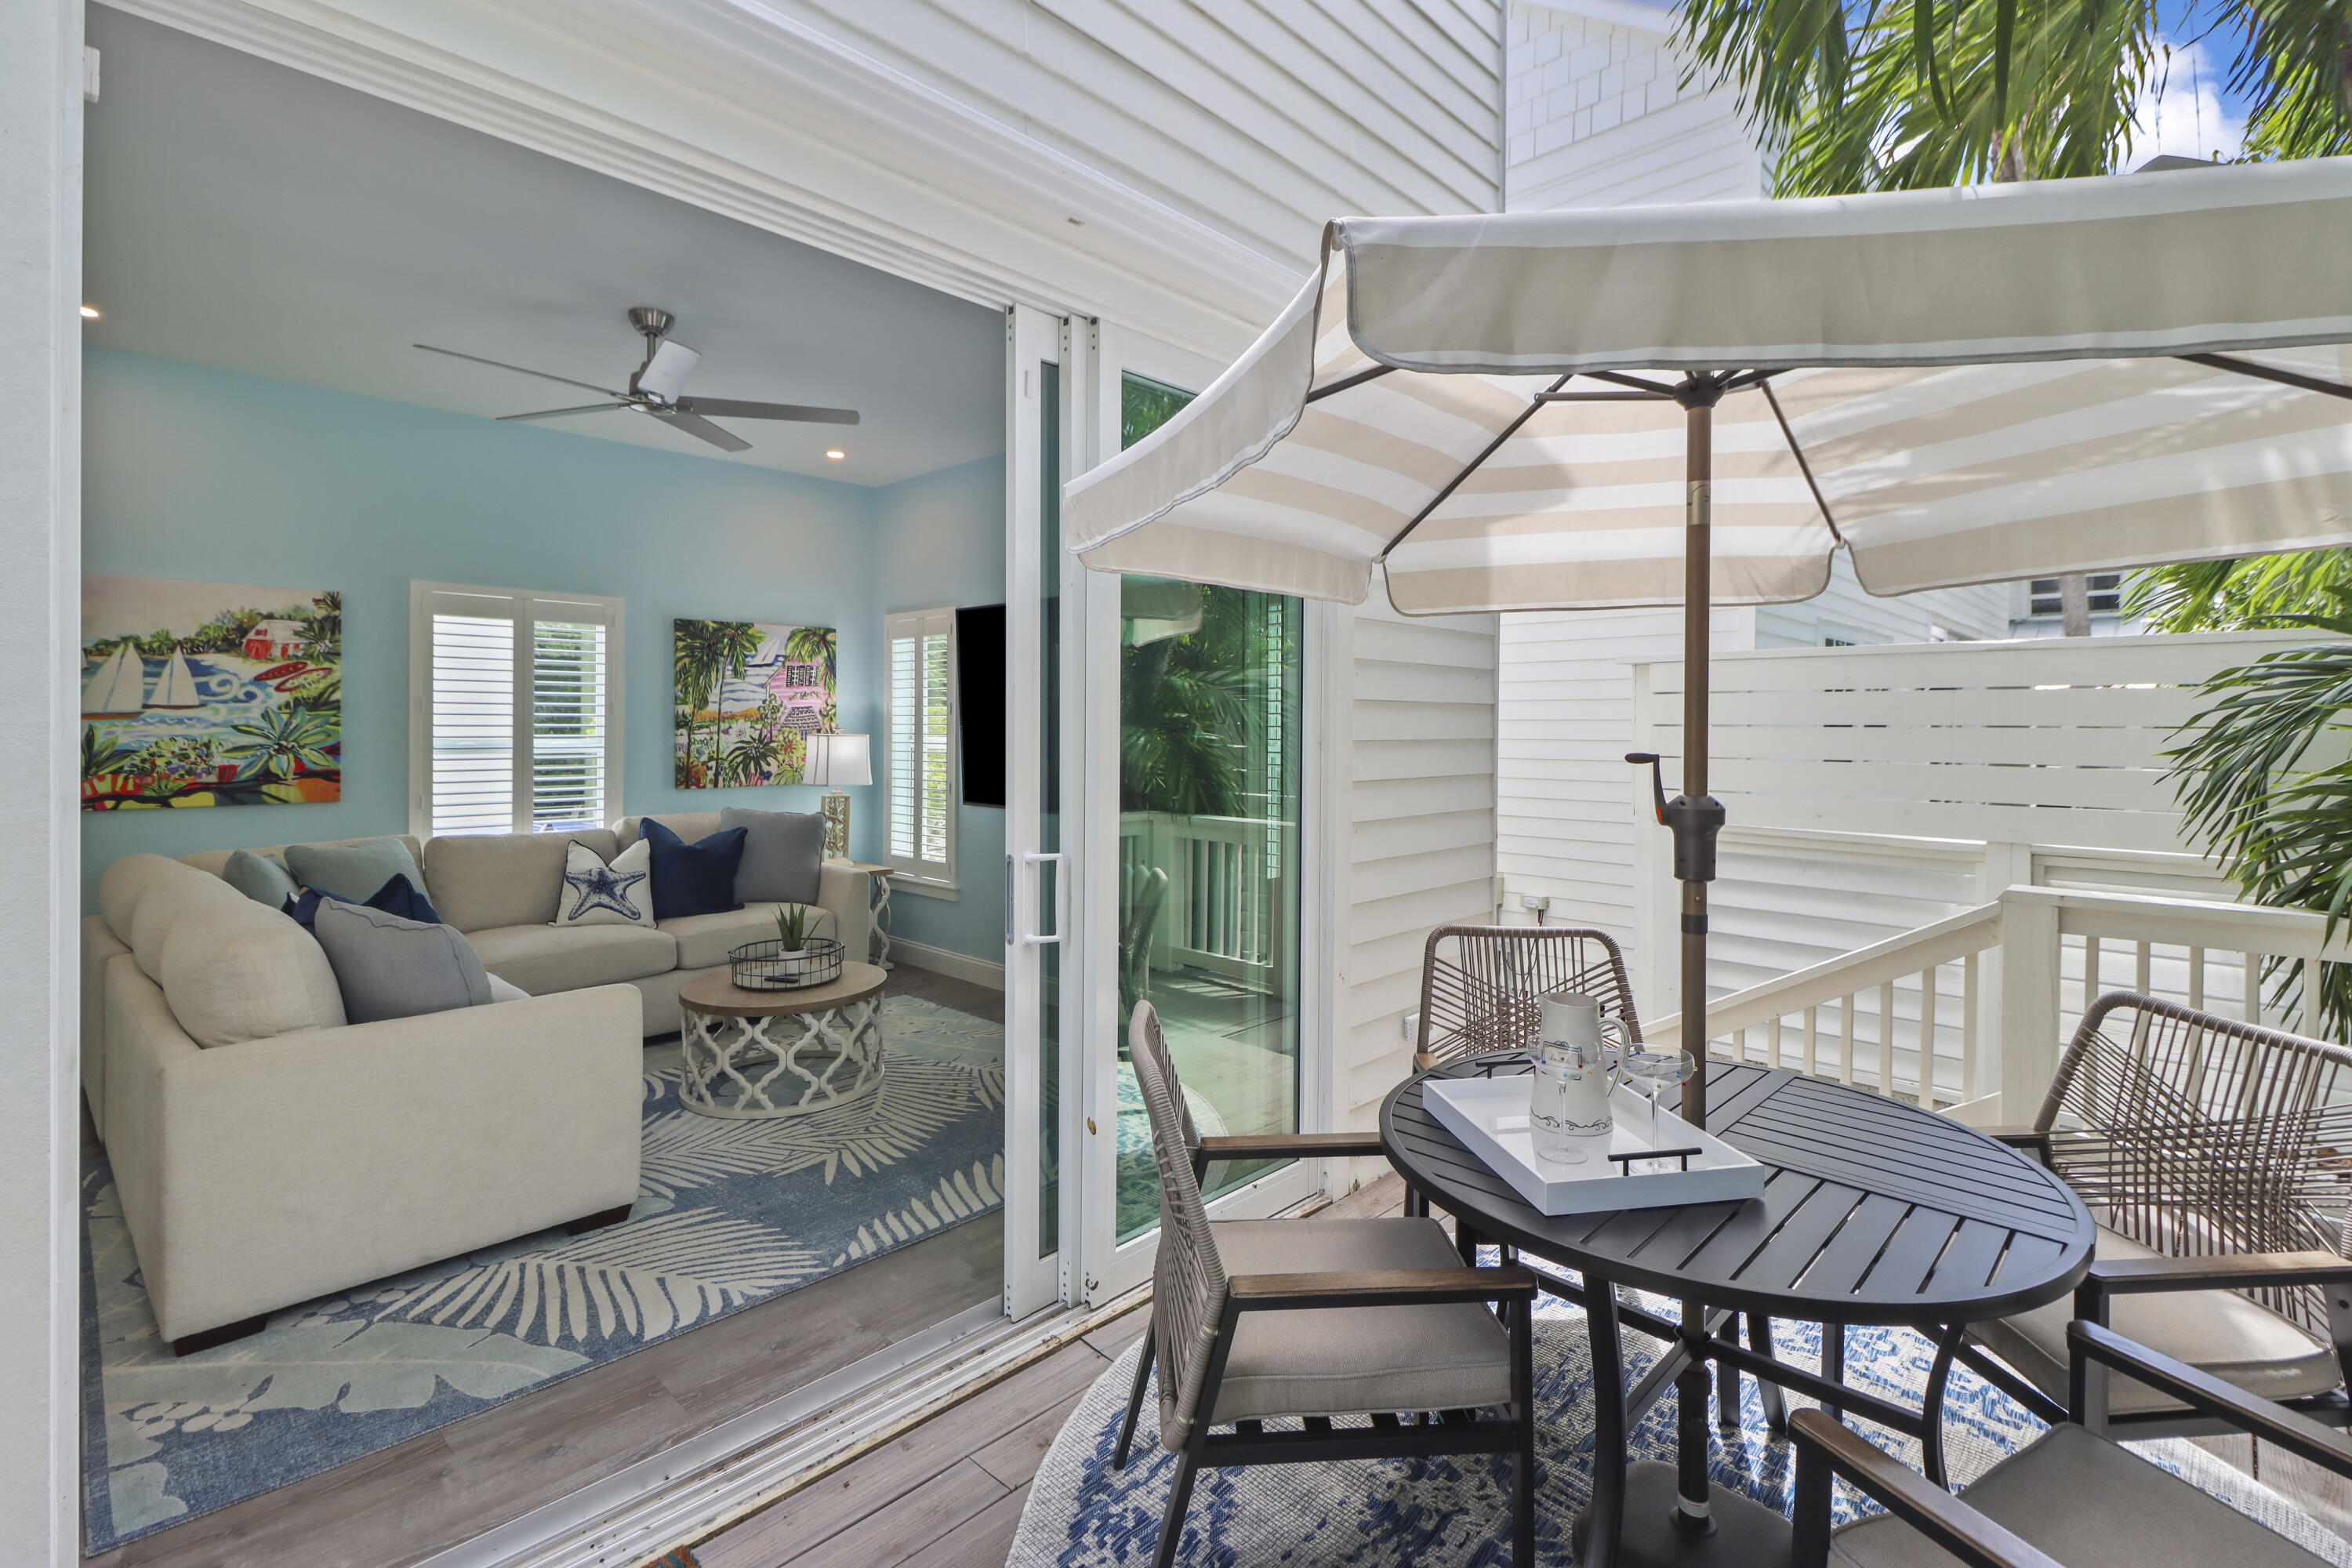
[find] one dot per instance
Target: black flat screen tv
(980, 682)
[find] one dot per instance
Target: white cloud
(2180, 109)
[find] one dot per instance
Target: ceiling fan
(658, 388)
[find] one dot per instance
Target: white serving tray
(1490, 1116)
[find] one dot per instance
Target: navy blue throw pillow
(697, 878)
(398, 897)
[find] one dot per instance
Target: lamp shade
(838, 760)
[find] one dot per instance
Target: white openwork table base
(744, 1070)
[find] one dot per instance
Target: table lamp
(835, 761)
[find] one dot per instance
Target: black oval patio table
(1874, 1212)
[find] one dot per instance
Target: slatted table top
(1875, 1210)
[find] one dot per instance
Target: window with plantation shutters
(516, 711)
(919, 747)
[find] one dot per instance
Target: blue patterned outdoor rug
(1455, 1512)
(729, 1214)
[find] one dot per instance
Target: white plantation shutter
(920, 743)
(518, 724)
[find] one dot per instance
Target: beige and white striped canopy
(1974, 385)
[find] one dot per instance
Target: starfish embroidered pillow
(596, 894)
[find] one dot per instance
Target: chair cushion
(394, 968)
(2220, 1332)
(783, 851)
(544, 958)
(482, 879)
(353, 871)
(2088, 1504)
(697, 878)
(1355, 1361)
(706, 940)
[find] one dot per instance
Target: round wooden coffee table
(752, 1054)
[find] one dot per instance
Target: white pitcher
(1576, 1064)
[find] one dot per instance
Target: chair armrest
(1290, 1146)
(1380, 1287)
(2033, 1140)
(1918, 1502)
(2232, 1271)
(2202, 1392)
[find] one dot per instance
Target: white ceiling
(247, 217)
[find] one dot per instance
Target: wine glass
(1654, 1068)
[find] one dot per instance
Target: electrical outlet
(1411, 1022)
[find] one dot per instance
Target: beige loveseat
(266, 1152)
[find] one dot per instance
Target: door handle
(1061, 901)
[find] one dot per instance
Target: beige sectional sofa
(267, 1150)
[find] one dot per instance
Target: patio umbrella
(1699, 405)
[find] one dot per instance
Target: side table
(878, 877)
(755, 1054)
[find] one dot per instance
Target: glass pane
(1049, 824)
(1210, 757)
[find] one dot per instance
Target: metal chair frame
(1826, 1449)
(2218, 1143)
(1201, 1309)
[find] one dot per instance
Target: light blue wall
(940, 540)
(203, 474)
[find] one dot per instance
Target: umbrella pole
(1695, 869)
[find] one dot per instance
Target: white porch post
(41, 522)
(2029, 1003)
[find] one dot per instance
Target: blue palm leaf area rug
(729, 1214)
(1456, 1513)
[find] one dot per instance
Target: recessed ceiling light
(90, 312)
(836, 453)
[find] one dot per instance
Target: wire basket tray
(767, 967)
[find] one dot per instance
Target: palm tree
(814, 645)
(323, 628)
(705, 655)
(1912, 94)
(2276, 816)
(283, 742)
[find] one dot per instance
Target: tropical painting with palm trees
(749, 696)
(209, 694)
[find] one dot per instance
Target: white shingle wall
(1596, 114)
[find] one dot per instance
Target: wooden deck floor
(948, 1493)
(446, 1486)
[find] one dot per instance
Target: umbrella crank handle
(1695, 824)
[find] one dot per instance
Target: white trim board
(943, 961)
(1627, 13)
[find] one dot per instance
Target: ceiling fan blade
(665, 372)
(559, 413)
(729, 408)
(700, 428)
(525, 370)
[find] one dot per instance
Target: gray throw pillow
(782, 851)
(260, 878)
(353, 871)
(391, 968)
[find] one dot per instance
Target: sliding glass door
(1198, 898)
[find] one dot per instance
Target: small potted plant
(792, 931)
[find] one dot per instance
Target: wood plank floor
(446, 1486)
(948, 1493)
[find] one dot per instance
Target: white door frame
(41, 88)
(1107, 1266)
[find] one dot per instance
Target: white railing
(1218, 915)
(1969, 1014)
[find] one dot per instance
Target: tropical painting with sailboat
(209, 694)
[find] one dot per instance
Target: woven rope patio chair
(2217, 1157)
(1319, 1319)
(1479, 985)
(2072, 1499)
